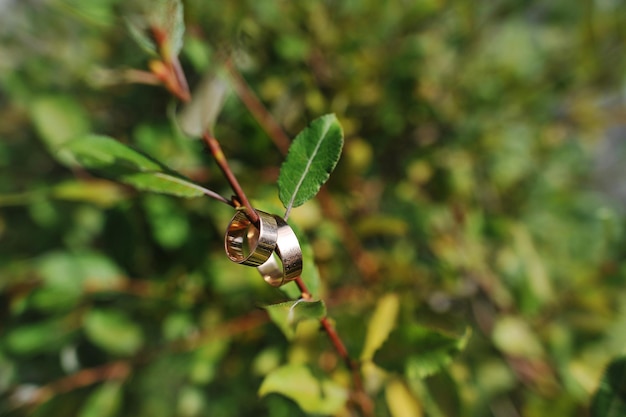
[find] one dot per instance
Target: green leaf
(312, 395)
(434, 350)
(166, 15)
(95, 191)
(66, 276)
(312, 157)
(421, 350)
(104, 401)
(76, 271)
(610, 398)
(113, 331)
(112, 159)
(58, 119)
(287, 315)
(514, 336)
(43, 336)
(380, 325)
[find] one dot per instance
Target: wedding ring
(246, 244)
(286, 264)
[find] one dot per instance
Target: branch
(282, 142)
(118, 370)
(218, 155)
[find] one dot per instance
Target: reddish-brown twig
(169, 70)
(222, 162)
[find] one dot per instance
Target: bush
(467, 247)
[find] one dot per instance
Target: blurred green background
(481, 182)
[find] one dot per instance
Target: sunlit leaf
(311, 158)
(287, 315)
(113, 331)
(514, 336)
(400, 401)
(191, 401)
(311, 394)
(58, 119)
(67, 276)
(610, 399)
(99, 192)
(76, 272)
(43, 336)
(104, 401)
(114, 160)
(380, 325)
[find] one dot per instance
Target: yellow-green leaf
(113, 331)
(380, 325)
(400, 401)
(104, 401)
(287, 315)
(311, 394)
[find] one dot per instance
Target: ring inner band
(246, 244)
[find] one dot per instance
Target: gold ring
(287, 253)
(248, 244)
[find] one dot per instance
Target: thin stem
(218, 155)
(304, 291)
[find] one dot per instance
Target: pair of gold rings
(272, 247)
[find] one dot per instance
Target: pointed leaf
(610, 399)
(421, 350)
(435, 350)
(312, 157)
(312, 395)
(380, 325)
(116, 161)
(287, 315)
